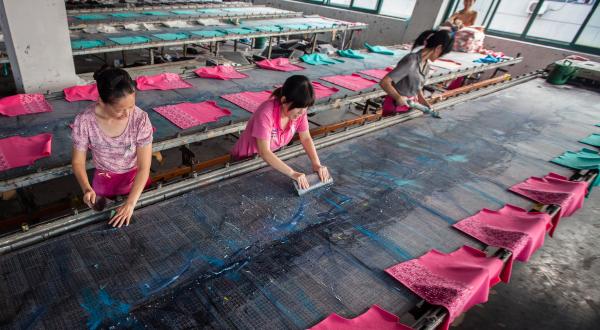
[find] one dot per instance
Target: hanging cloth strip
(457, 281)
(17, 151)
(512, 228)
(24, 104)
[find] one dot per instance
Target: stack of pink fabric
(554, 189)
(248, 101)
(512, 228)
(376, 318)
(81, 93)
(163, 81)
(24, 104)
(223, 72)
(186, 115)
(468, 40)
(353, 82)
(456, 281)
(279, 64)
(17, 151)
(377, 73)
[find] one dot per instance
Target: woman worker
(404, 84)
(119, 135)
(463, 18)
(274, 124)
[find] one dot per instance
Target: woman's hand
(123, 215)
(300, 178)
(89, 197)
(322, 171)
(401, 101)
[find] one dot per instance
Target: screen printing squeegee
(314, 182)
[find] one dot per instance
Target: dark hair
(298, 91)
(113, 83)
(433, 38)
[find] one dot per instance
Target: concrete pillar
(424, 17)
(37, 40)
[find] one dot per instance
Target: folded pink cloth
(223, 72)
(512, 228)
(186, 115)
(81, 93)
(24, 104)
(163, 81)
(248, 101)
(17, 151)
(456, 281)
(376, 318)
(377, 73)
(279, 64)
(554, 189)
(353, 82)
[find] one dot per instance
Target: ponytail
(433, 38)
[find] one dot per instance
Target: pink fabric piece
(491, 52)
(512, 228)
(279, 64)
(376, 318)
(17, 151)
(248, 101)
(468, 40)
(186, 115)
(322, 91)
(554, 189)
(223, 72)
(456, 281)
(353, 82)
(163, 81)
(265, 125)
(110, 185)
(390, 108)
(81, 93)
(24, 104)
(377, 73)
(456, 83)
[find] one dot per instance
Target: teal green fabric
(351, 54)
(85, 44)
(267, 28)
(294, 26)
(593, 140)
(210, 11)
(208, 33)
(319, 25)
(171, 36)
(598, 125)
(125, 15)
(88, 17)
(318, 59)
(243, 30)
(155, 13)
(184, 12)
(585, 159)
(379, 49)
(130, 40)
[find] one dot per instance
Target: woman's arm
(124, 213)
(422, 99)
(387, 85)
(78, 163)
(264, 151)
(311, 151)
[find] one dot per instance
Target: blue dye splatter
(432, 211)
(457, 158)
(387, 244)
(483, 194)
(282, 308)
(337, 202)
(32, 319)
(291, 223)
(101, 308)
(387, 180)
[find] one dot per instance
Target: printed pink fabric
(186, 115)
(376, 318)
(17, 151)
(554, 189)
(512, 228)
(456, 281)
(81, 93)
(223, 72)
(110, 185)
(249, 101)
(279, 64)
(377, 73)
(353, 82)
(24, 104)
(163, 81)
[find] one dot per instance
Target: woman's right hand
(300, 178)
(401, 101)
(89, 197)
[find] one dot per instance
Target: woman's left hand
(123, 215)
(323, 172)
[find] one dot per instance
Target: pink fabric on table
(82, 93)
(512, 228)
(376, 318)
(468, 40)
(248, 101)
(389, 106)
(456, 281)
(377, 73)
(223, 72)
(322, 91)
(456, 83)
(353, 82)
(279, 64)
(110, 185)
(17, 151)
(265, 125)
(554, 189)
(24, 104)
(163, 81)
(186, 115)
